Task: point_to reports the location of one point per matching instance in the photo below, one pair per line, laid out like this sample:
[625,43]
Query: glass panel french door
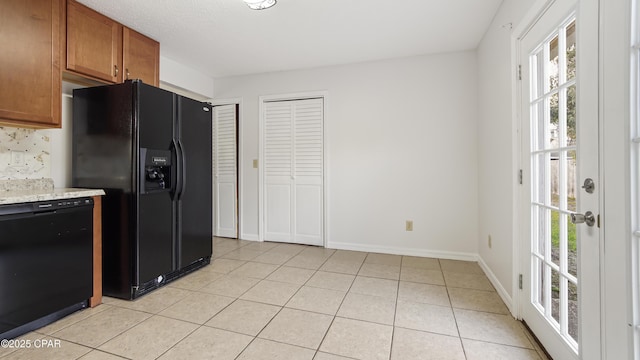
[553,182]
[560,147]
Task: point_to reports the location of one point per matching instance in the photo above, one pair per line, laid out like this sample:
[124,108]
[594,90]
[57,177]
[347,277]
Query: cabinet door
[30,86]
[94,43]
[141,57]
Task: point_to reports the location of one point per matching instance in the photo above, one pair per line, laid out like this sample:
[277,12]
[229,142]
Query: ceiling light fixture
[260,4]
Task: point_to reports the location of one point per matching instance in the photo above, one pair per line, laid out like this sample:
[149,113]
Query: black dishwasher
[46,262]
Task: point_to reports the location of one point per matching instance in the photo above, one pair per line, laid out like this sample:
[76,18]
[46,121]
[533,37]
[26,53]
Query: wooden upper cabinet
[30,85]
[94,43]
[103,49]
[140,57]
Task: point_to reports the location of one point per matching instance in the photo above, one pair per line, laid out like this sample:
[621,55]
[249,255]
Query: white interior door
[560,299]
[293,149]
[308,160]
[225,171]
[278,171]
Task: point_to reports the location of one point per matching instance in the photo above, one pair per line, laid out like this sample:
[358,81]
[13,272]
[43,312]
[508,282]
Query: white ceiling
[225,37]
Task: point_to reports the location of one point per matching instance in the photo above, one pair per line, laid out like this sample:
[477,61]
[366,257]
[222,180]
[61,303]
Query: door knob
[589,186]
[588,218]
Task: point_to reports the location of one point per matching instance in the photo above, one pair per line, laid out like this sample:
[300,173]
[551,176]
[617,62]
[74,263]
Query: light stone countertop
[21,196]
[32,190]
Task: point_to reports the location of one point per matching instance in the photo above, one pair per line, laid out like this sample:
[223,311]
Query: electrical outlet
[255,163]
[409,225]
[17,158]
[489,240]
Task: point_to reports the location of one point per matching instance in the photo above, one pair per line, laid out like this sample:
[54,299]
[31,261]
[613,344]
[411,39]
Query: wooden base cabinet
[96,299]
[30,83]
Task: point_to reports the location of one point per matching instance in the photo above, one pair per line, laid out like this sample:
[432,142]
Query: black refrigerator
[150,150]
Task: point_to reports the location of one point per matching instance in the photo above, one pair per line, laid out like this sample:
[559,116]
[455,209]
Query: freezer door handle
[180,171]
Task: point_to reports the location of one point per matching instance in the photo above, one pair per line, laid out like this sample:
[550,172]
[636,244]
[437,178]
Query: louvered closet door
[293,155]
[225,172]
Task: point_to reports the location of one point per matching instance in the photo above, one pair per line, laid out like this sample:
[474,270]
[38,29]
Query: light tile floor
[284,301]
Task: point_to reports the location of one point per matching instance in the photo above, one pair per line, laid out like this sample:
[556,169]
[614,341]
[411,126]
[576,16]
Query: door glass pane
[554,125]
[538,139]
[556,237]
[542,233]
[571,115]
[555,181]
[571,50]
[572,248]
[537,71]
[535,218]
[540,292]
[573,311]
[553,65]
[539,172]
[571,181]
[556,284]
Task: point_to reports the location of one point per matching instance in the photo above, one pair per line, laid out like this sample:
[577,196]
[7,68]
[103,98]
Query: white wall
[183,77]
[402,146]
[61,143]
[496,147]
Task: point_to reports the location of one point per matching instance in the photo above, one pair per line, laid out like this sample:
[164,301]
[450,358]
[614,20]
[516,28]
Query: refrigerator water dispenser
[155,170]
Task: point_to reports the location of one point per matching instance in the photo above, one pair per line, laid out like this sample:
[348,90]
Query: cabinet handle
[127,74]
[115,67]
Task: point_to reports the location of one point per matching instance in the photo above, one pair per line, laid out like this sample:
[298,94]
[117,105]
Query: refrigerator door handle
[181,171]
[178,181]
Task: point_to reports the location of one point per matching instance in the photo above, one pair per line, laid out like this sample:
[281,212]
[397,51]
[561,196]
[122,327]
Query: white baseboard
[450,255]
[249,237]
[504,294]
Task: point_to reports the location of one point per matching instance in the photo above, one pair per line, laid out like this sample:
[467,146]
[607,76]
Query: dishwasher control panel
[69,203]
[51,205]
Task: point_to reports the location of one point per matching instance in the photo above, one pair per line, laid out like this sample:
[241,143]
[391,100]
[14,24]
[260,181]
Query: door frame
[536,10]
[528,21]
[324,94]
[239,137]
[616,110]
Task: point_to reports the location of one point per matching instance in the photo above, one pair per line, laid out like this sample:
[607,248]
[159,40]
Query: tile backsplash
[24,153]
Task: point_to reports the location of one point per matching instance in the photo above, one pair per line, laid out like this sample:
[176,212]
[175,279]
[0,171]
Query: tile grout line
[274,316]
[236,299]
[342,302]
[111,338]
[395,309]
[179,341]
[73,323]
[267,324]
[333,318]
[455,318]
